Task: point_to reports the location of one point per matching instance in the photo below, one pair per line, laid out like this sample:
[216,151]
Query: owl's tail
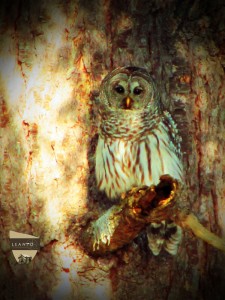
[164,235]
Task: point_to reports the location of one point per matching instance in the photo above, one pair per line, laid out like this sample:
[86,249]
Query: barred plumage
[122,164]
[137,145]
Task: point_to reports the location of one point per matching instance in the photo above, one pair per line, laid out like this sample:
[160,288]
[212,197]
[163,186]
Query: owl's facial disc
[129,91]
[119,92]
[128,94]
[127,101]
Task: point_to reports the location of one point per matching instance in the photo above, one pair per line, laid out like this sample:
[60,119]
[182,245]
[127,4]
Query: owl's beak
[128,102]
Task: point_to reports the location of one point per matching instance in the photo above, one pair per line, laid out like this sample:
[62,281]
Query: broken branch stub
[120,224]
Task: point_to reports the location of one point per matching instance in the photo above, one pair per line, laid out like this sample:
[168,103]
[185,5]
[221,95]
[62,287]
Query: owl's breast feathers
[135,149]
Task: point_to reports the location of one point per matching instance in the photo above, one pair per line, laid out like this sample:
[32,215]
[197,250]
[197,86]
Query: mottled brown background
[53,55]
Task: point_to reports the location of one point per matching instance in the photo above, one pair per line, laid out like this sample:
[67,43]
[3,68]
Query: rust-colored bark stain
[185,79]
[66,270]
[4,114]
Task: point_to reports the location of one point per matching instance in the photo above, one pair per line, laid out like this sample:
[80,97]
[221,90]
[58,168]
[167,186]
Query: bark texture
[53,55]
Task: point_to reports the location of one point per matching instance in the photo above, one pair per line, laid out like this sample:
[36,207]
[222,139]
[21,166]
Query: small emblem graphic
[24,246]
[24,259]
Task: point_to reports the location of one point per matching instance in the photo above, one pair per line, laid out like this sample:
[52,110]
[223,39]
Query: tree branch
[140,206]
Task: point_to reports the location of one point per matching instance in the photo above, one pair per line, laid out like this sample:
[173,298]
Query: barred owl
[138,142]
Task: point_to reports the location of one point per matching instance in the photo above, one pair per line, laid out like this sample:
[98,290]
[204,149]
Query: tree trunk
[53,56]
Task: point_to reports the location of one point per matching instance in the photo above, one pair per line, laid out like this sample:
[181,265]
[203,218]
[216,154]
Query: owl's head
[128,88]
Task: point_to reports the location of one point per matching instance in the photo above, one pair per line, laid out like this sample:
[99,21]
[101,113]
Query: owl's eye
[119,89]
[138,90]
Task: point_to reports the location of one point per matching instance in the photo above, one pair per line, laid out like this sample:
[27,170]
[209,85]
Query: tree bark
[53,56]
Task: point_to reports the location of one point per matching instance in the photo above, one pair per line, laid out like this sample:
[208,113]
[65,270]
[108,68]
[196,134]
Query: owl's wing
[172,131]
